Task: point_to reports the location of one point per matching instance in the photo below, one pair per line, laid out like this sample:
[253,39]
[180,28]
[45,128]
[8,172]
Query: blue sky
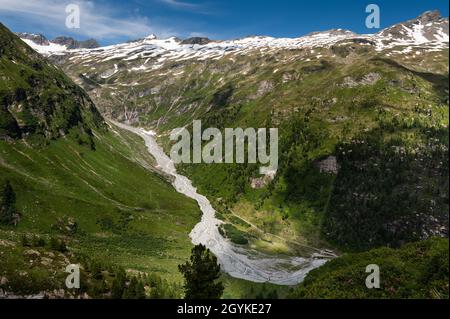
[113,21]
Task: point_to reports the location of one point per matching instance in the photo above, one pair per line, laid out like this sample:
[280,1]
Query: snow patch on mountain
[50,49]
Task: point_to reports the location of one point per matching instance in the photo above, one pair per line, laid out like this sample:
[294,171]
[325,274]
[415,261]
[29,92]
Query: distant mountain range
[428,29]
[67,42]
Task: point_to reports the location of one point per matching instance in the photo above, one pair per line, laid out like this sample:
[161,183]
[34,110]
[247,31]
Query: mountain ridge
[436,33]
[64,42]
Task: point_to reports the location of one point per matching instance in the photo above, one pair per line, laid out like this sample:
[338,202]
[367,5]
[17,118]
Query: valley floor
[237,261]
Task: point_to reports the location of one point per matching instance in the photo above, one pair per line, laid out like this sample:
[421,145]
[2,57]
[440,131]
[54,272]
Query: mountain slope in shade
[38,98]
[71,43]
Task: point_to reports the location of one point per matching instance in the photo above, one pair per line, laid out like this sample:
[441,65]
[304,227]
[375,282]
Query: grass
[238,288]
[125,212]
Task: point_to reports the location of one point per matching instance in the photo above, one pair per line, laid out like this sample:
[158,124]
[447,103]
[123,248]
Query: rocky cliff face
[71,43]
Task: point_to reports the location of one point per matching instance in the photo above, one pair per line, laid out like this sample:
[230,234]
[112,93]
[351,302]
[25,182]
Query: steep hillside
[37,98]
[363,123]
[415,271]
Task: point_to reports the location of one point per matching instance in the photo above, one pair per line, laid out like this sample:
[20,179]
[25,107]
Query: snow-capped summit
[428,27]
[151,37]
[44,47]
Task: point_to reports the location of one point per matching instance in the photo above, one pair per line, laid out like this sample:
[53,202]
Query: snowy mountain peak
[430,16]
[428,27]
[151,37]
[39,39]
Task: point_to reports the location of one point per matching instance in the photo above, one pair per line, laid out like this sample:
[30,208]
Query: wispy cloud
[200,35]
[181,4]
[188,6]
[97,21]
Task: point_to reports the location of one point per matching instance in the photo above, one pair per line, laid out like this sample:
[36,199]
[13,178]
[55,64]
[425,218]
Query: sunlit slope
[124,211]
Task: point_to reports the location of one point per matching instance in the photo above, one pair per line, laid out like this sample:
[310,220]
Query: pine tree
[272,294]
[128,293]
[118,284]
[140,290]
[7,204]
[201,274]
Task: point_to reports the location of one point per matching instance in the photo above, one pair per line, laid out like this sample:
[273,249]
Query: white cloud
[180,4]
[187,6]
[99,22]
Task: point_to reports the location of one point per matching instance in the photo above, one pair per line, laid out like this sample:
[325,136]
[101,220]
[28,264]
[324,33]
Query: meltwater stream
[238,262]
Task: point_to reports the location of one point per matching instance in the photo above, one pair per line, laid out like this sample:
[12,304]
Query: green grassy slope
[417,270]
[34,267]
[37,98]
[124,212]
[396,127]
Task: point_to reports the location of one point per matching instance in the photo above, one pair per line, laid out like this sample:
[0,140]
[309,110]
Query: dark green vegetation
[8,211]
[234,234]
[38,99]
[416,270]
[35,267]
[201,275]
[389,192]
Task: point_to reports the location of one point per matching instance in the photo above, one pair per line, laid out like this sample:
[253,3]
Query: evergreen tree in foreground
[8,212]
[119,283]
[201,274]
[135,290]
